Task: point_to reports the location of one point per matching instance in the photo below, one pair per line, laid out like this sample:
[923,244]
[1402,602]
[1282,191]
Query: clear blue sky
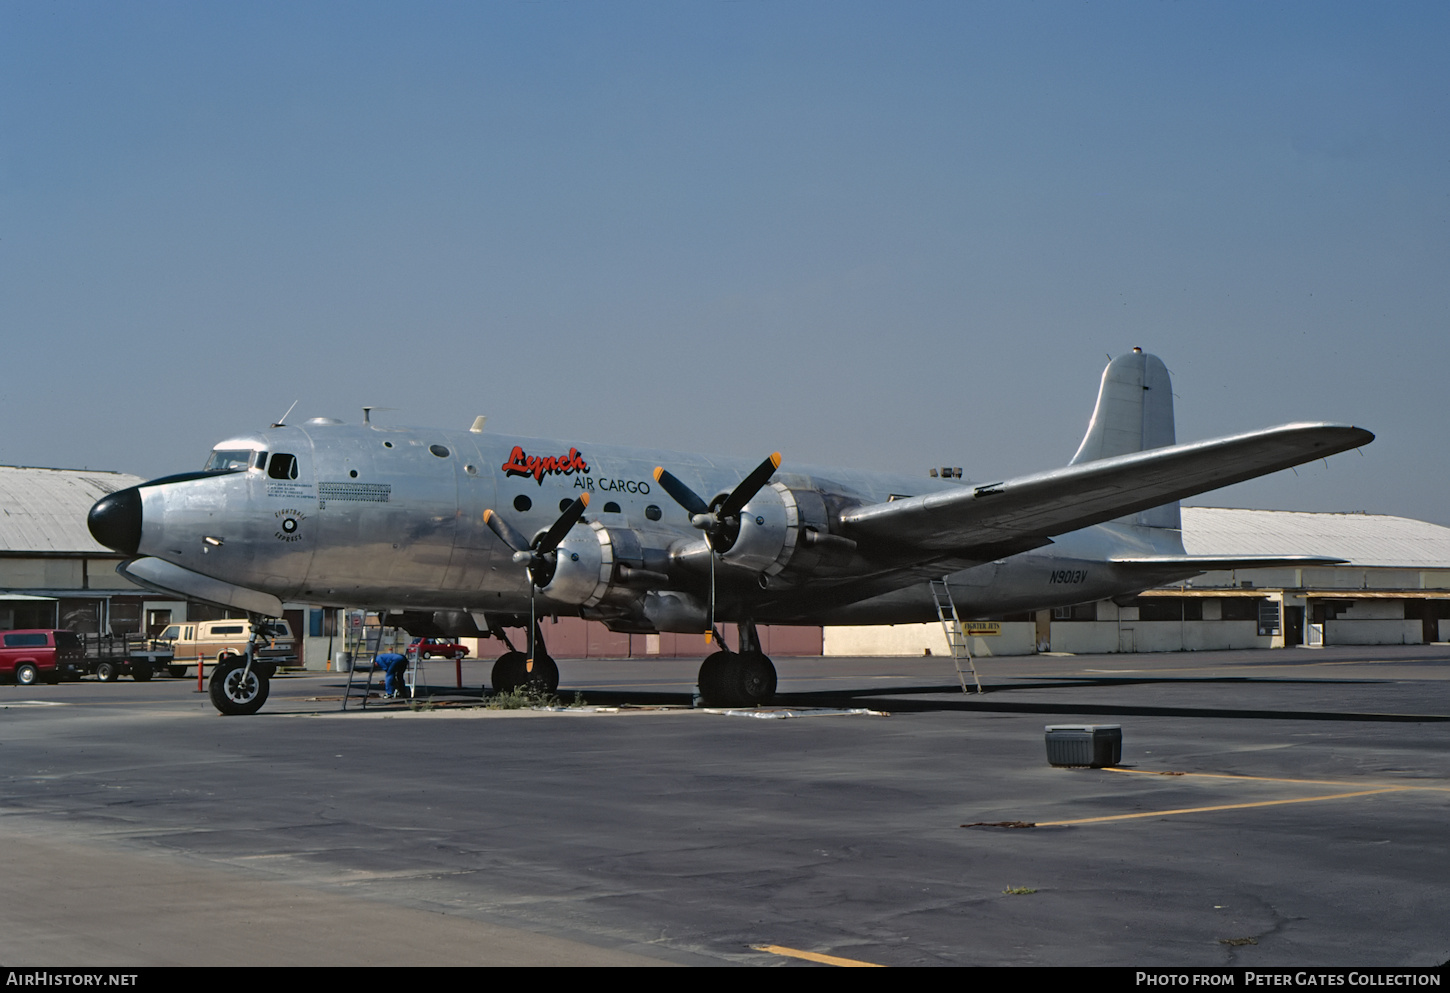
[884,235]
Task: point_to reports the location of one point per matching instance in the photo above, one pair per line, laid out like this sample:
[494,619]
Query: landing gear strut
[514,669]
[738,679]
[240,685]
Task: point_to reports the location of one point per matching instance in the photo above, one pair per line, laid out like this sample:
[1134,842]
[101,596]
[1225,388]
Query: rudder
[1134,413]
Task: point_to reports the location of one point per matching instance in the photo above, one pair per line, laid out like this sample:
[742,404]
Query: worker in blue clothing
[394,665]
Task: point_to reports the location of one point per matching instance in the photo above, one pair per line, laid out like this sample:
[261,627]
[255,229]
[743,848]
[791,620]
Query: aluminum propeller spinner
[539,557]
[720,520]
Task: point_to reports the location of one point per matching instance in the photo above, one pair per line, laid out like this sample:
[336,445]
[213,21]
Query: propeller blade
[682,494]
[507,533]
[567,520]
[749,486]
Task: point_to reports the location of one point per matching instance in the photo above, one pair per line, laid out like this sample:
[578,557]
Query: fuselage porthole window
[652,512]
[283,466]
[439,450]
[522,503]
[611,507]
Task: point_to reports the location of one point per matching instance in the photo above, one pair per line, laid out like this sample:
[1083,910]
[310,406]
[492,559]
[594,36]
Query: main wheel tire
[508,672]
[730,680]
[234,695]
[756,679]
[106,671]
[713,679]
[141,672]
[26,674]
[545,675]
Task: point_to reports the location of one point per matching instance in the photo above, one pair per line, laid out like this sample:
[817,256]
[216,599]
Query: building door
[1293,626]
[297,621]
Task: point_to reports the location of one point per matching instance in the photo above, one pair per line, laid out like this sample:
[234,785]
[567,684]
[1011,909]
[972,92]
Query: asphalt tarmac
[1272,808]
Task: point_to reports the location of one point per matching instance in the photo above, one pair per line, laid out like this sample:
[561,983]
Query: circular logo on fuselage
[289,527]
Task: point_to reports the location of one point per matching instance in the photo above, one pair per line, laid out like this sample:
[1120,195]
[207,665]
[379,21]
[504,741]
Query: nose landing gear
[239,686]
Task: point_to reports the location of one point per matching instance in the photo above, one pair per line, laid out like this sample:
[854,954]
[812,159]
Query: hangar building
[53,574]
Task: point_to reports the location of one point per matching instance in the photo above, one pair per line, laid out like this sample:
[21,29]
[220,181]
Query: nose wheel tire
[234,693]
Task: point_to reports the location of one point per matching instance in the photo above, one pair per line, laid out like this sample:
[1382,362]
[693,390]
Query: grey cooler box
[1089,746]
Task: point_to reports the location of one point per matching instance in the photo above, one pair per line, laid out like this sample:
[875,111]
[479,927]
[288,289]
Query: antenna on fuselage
[368,413]
[281,421]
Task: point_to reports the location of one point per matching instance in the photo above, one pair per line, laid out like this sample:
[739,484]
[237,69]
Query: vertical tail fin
[1134,413]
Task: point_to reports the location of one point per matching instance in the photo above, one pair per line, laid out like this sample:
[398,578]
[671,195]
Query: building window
[1241,608]
[1168,608]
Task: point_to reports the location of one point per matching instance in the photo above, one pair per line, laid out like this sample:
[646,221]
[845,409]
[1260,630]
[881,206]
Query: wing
[1213,563]
[1063,500]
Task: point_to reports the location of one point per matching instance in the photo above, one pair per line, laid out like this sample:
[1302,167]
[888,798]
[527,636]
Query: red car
[429,648]
[33,655]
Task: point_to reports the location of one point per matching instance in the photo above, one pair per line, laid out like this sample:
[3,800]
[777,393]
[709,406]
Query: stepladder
[951,624]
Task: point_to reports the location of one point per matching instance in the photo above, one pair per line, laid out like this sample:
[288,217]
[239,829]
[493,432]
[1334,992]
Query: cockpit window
[228,461]
[283,466]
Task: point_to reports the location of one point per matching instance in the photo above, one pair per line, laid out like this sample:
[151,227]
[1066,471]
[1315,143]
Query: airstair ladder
[951,625]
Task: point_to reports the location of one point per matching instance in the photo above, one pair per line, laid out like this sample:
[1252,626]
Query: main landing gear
[738,679]
[514,670]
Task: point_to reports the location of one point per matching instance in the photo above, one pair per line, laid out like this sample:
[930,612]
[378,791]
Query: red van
[30,656]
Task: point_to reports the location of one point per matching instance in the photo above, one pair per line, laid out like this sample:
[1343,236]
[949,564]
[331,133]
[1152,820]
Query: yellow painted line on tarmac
[1226,806]
[1273,779]
[796,953]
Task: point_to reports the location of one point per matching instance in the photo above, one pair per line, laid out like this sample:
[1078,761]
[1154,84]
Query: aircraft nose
[115,520]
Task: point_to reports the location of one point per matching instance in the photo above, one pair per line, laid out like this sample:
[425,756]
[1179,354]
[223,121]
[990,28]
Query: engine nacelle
[776,528]
[594,561]
[584,567]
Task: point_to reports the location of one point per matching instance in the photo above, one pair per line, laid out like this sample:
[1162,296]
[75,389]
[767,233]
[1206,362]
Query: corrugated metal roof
[44,510]
[1366,540]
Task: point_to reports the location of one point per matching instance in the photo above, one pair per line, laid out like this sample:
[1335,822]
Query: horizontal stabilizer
[1212,563]
[173,580]
[1063,500]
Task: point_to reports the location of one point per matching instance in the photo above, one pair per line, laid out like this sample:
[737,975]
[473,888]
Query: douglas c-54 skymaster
[467,533]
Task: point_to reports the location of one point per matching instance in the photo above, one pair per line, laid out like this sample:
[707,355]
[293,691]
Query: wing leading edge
[1062,500]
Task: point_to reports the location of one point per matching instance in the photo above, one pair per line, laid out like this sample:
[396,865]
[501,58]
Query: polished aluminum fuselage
[393,518]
